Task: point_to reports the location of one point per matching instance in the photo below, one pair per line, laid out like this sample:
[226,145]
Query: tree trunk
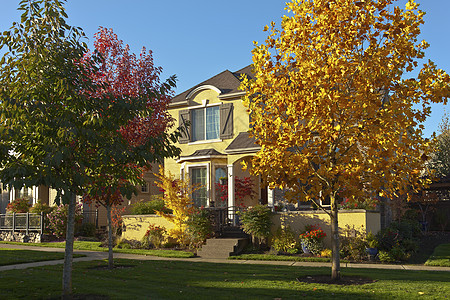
[110,237]
[68,256]
[336,263]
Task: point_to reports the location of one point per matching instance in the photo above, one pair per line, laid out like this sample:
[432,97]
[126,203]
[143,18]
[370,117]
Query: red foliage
[243,187]
[123,74]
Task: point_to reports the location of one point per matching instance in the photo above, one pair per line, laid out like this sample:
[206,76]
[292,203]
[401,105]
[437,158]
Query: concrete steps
[222,247]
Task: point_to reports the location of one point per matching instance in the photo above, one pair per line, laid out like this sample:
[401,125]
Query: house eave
[243,151]
[231,95]
[203,157]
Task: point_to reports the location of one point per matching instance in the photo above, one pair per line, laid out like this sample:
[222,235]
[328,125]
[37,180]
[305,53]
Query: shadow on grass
[190,280]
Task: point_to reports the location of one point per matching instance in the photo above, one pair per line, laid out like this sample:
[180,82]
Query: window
[205,123]
[198,179]
[221,180]
[144,188]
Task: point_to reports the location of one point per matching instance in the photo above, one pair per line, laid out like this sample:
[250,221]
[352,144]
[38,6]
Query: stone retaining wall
[22,237]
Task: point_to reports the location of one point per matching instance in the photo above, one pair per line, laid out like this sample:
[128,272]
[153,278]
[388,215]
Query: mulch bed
[345,280]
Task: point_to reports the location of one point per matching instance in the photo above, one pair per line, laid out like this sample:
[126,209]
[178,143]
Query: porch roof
[202,154]
[243,143]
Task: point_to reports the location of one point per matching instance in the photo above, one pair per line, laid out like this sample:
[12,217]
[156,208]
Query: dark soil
[428,243]
[84,297]
[345,280]
[116,266]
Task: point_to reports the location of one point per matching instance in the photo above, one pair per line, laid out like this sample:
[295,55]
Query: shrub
[58,219]
[256,222]
[326,253]
[19,205]
[199,227]
[385,256]
[400,239]
[312,238]
[154,237]
[87,230]
[40,207]
[284,240]
[125,244]
[177,197]
[353,244]
[149,207]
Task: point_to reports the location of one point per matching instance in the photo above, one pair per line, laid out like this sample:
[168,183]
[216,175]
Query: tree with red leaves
[122,75]
[243,187]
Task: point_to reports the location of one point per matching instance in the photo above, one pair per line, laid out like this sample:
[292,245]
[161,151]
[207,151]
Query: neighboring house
[47,196]
[216,139]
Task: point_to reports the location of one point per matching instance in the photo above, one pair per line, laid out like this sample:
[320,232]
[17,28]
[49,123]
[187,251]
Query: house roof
[243,143]
[227,82]
[202,154]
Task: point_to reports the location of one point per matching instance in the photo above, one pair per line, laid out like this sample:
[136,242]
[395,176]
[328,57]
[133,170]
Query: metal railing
[90,216]
[222,217]
[22,222]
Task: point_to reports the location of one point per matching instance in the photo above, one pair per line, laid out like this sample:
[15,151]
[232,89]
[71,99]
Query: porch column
[12,194]
[35,194]
[270,197]
[231,202]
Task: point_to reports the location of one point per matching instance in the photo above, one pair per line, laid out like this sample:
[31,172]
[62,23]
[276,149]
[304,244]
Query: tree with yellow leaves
[177,197]
[331,107]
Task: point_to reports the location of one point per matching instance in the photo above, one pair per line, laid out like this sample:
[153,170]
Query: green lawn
[95,246]
[189,280]
[17,256]
[440,256]
[279,257]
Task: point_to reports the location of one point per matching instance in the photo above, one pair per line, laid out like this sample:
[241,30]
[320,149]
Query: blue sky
[198,39]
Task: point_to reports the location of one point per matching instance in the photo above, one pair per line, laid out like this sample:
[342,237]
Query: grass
[96,246]
[279,257]
[440,256]
[190,280]
[17,256]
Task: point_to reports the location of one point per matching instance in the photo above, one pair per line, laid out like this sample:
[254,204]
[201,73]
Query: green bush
[87,230]
[284,241]
[40,207]
[256,221]
[199,227]
[400,239]
[353,244]
[154,237]
[385,256]
[149,207]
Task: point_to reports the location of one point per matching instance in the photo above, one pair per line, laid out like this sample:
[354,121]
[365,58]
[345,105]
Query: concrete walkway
[94,255]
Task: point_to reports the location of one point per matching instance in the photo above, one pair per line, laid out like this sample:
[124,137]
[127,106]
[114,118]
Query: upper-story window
[205,123]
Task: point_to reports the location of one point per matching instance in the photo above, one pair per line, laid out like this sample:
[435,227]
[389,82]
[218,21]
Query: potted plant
[312,239]
[372,245]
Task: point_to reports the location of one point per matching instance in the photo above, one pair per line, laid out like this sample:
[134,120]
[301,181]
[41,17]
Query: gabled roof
[227,82]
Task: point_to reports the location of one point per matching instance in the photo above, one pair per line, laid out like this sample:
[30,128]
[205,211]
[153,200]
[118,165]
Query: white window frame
[214,191]
[208,176]
[204,105]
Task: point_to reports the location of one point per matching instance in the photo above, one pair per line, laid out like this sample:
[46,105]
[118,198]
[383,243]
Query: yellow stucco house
[214,144]
[216,139]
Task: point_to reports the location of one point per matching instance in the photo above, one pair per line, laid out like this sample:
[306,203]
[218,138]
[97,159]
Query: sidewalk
[94,255]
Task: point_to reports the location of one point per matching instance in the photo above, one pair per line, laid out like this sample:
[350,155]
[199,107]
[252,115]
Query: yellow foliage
[330,105]
[177,197]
